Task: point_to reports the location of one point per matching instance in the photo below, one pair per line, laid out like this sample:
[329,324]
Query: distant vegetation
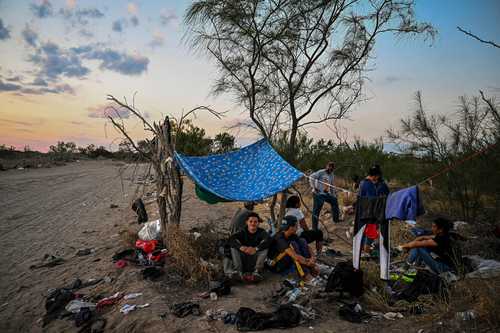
[191,141]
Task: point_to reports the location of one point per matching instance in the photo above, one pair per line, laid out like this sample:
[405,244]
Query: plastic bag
[150,231]
[75,305]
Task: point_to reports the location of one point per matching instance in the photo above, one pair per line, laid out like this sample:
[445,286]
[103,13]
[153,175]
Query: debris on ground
[48,261]
[184,309]
[84,252]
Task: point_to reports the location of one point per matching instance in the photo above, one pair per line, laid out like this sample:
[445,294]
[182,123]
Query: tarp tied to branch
[252,173]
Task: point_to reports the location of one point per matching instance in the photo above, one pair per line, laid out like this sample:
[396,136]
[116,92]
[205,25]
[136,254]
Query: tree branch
[470,34]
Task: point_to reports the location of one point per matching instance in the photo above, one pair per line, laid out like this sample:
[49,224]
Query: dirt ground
[58,211]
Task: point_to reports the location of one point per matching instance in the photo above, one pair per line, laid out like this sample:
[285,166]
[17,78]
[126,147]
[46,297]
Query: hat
[288,221]
[375,171]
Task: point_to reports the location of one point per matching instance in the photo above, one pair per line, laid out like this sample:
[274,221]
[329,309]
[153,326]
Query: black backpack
[139,208]
[424,283]
[345,278]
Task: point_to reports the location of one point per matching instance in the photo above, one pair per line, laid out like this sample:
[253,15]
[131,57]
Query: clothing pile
[65,302]
[146,253]
[286,316]
[184,309]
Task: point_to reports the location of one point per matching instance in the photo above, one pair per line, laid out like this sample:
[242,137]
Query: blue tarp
[251,173]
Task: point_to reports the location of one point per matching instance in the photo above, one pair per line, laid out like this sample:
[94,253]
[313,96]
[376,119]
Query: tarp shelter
[251,173]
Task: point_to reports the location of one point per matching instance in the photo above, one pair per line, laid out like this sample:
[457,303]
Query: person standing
[323,191]
[372,186]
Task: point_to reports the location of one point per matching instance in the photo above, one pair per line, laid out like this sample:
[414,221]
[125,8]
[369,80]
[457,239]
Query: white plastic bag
[484,268]
[75,305]
[150,231]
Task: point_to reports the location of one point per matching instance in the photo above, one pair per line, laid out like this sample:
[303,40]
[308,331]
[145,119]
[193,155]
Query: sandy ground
[60,210]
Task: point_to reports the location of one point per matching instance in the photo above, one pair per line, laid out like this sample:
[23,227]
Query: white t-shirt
[298,214]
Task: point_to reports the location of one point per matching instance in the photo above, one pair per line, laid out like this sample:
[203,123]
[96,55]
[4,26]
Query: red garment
[146,246]
[120,263]
[371,231]
[109,300]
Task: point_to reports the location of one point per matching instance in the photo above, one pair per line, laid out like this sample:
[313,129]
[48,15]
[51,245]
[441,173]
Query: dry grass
[479,295]
[129,237]
[400,233]
[187,259]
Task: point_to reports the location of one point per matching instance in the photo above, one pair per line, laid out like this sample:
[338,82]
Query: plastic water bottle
[294,295]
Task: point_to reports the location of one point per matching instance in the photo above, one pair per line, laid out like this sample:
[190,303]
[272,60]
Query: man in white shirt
[293,209]
[323,191]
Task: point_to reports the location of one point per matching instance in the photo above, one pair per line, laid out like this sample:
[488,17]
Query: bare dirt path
[60,210]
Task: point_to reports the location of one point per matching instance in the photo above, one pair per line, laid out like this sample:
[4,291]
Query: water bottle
[294,295]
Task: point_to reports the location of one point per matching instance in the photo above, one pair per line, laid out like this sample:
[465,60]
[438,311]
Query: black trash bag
[348,312]
[345,278]
[139,208]
[425,282]
[184,309]
[286,316]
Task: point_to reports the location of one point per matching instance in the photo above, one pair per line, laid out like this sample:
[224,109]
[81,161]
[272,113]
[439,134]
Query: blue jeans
[318,200]
[421,255]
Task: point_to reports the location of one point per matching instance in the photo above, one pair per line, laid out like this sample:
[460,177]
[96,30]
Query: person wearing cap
[372,186]
[303,231]
[323,191]
[239,220]
[249,248]
[288,248]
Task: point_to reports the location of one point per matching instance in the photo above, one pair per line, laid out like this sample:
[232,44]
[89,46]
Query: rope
[329,185]
[440,172]
[454,165]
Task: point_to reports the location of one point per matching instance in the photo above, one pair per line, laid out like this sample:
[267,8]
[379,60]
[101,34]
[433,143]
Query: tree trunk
[281,213]
[272,208]
[169,182]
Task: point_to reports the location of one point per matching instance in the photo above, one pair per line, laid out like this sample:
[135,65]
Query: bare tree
[294,63]
[470,34]
[160,152]
[455,148]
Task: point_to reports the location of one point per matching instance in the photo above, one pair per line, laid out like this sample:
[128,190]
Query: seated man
[288,250]
[440,244]
[303,231]
[249,249]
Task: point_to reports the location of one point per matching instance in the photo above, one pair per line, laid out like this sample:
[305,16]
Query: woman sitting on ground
[440,244]
[303,231]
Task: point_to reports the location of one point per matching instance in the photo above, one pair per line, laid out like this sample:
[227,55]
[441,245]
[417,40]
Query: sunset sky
[59,59]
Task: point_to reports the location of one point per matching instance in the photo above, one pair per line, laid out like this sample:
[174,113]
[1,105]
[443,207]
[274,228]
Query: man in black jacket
[249,249]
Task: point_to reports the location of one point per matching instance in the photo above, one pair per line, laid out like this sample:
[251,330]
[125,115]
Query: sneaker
[234,276]
[248,278]
[257,277]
